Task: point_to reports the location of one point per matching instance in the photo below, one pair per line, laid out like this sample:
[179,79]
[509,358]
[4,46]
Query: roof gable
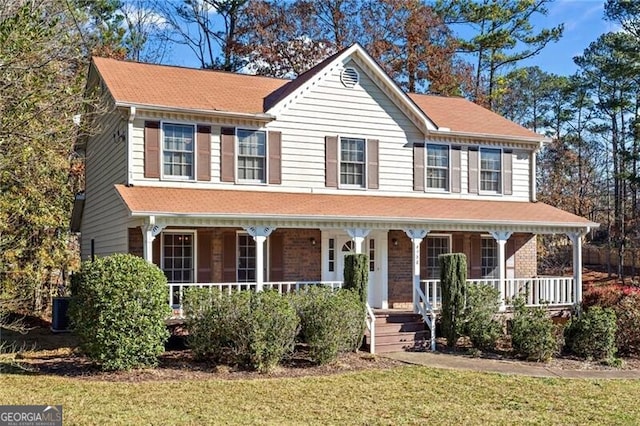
[357,53]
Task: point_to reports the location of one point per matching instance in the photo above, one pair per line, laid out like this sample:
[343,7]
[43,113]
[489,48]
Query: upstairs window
[352,162]
[178,148]
[252,151]
[437,167]
[490,170]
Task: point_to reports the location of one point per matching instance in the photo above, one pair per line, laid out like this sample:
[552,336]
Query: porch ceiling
[284,209]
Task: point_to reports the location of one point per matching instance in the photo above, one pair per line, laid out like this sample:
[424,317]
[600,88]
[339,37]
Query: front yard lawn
[401,395]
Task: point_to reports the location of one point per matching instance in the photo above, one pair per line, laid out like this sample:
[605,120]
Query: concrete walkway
[461,362]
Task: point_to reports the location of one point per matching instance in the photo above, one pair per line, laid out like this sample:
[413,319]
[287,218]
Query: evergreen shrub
[453,278]
[592,334]
[532,332]
[118,309]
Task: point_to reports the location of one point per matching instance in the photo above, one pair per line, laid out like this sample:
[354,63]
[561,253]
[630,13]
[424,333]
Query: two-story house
[243,181]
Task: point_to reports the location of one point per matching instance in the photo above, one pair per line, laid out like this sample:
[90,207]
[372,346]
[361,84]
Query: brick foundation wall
[526,256]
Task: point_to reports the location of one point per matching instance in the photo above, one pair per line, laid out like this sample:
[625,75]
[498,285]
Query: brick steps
[399,331]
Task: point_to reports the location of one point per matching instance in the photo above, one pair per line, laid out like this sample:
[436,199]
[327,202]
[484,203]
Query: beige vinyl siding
[363,111]
[104,217]
[521,160]
[328,108]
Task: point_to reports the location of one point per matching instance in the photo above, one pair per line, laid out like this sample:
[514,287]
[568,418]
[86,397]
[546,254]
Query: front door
[345,246]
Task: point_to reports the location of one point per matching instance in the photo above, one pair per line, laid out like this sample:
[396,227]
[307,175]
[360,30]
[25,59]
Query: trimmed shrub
[272,330]
[356,275]
[478,318]
[453,278]
[628,323]
[532,332]
[119,310]
[592,334]
[244,328]
[214,320]
[330,321]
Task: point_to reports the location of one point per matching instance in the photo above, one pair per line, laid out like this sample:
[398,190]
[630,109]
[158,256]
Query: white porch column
[150,231]
[501,238]
[259,234]
[416,235]
[358,235]
[576,240]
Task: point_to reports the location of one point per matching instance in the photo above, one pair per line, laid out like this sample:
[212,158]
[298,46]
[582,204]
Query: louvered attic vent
[349,77]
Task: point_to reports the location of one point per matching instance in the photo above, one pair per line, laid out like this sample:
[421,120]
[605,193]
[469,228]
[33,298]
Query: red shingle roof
[196,89]
[282,205]
[185,88]
[461,115]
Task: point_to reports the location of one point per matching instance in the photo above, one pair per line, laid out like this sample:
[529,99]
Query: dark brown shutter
[510,251]
[229,274]
[331,161]
[155,250]
[457,241]
[135,241]
[227,154]
[152,149]
[473,170]
[423,259]
[507,169]
[372,164]
[475,257]
[276,257]
[418,167]
[204,153]
[204,256]
[275,162]
[455,169]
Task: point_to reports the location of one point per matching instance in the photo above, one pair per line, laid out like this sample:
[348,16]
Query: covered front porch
[403,264]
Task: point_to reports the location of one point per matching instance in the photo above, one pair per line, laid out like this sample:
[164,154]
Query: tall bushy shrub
[453,278]
[532,332]
[252,330]
[119,310]
[330,321]
[356,274]
[592,334]
[479,321]
[628,325]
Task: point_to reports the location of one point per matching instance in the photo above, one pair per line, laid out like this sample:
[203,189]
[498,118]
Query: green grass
[406,395]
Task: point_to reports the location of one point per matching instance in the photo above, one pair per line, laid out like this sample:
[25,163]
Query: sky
[583,24]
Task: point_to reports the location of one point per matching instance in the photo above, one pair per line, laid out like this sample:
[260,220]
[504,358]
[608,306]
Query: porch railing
[425,308]
[539,291]
[176,290]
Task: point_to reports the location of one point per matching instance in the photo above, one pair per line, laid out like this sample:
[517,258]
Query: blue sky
[583,23]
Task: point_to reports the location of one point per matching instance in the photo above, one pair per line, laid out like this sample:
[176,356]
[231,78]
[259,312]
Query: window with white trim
[178,257]
[352,162]
[489,258]
[246,258]
[372,255]
[177,150]
[436,245]
[437,167]
[332,254]
[252,153]
[490,170]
